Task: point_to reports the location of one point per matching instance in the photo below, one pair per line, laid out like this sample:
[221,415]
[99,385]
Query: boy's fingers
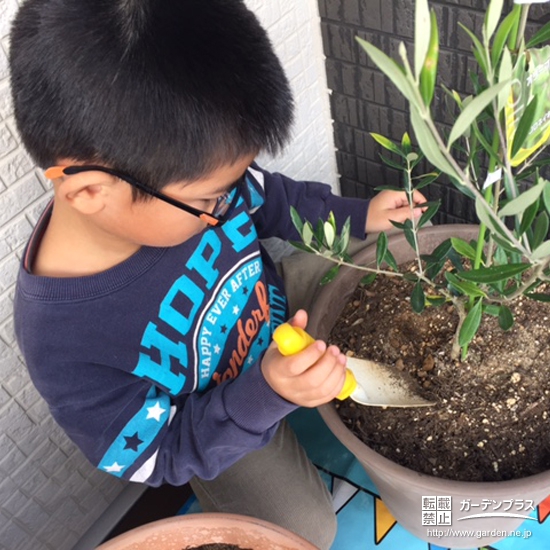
[404,213]
[309,378]
[326,381]
[418,197]
[401,200]
[329,366]
[299,320]
[336,382]
[301,362]
[316,363]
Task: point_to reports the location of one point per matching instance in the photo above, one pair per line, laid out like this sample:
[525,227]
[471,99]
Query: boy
[145,304]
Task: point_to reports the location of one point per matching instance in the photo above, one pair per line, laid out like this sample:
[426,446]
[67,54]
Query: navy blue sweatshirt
[153,367]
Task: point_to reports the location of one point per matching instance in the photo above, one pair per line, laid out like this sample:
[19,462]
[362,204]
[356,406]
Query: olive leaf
[465,287]
[368,279]
[391,164]
[546,197]
[345,236]
[492,17]
[428,73]
[387,144]
[381,248]
[307,234]
[494,274]
[463,248]
[426,179]
[429,145]
[421,34]
[418,299]
[392,70]
[479,50]
[538,296]
[542,251]
[296,219]
[543,35]
[330,234]
[390,260]
[483,212]
[502,35]
[330,275]
[505,318]
[540,231]
[471,324]
[473,110]
[526,199]
[505,73]
[527,219]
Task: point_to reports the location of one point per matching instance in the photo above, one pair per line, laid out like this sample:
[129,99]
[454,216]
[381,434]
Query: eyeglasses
[221,212]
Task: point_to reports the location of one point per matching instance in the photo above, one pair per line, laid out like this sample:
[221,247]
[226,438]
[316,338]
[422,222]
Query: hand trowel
[367,382]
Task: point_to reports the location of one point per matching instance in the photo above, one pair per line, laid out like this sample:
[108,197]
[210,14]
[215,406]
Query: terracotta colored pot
[181,532]
[402,489]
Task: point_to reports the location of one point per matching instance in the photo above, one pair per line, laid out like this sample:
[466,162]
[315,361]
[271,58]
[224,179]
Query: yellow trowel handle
[291,340]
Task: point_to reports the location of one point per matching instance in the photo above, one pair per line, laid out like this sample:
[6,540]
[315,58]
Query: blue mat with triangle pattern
[364,523]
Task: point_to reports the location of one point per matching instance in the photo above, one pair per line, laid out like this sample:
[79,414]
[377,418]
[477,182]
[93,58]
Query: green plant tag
[528,107]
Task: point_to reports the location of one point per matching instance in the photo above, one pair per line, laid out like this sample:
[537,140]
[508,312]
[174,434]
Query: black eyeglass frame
[209,218]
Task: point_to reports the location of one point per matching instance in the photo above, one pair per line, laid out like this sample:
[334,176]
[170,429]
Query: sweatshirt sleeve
[312,200]
[137,432]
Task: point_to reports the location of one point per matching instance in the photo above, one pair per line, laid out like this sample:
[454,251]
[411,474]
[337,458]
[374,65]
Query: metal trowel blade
[379,385]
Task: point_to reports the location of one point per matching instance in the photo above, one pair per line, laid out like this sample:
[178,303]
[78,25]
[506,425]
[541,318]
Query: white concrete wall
[294,29]
[49,494]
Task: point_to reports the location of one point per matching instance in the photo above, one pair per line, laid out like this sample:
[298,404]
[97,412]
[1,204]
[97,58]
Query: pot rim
[206,521]
[401,473]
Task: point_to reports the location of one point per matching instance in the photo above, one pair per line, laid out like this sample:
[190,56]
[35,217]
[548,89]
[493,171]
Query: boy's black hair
[164,90]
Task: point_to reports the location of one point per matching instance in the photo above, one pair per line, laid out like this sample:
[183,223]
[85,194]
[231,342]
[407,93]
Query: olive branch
[492,154]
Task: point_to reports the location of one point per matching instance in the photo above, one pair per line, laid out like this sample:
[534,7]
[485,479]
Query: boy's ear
[86,192]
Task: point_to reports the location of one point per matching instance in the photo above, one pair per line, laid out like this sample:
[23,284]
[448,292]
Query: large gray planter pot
[402,489]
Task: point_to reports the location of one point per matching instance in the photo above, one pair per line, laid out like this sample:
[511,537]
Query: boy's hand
[391,205]
[309,378]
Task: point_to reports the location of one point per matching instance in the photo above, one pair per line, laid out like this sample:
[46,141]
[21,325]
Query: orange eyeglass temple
[54,172]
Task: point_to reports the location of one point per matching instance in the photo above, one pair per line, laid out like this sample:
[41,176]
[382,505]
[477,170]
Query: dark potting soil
[490,421]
